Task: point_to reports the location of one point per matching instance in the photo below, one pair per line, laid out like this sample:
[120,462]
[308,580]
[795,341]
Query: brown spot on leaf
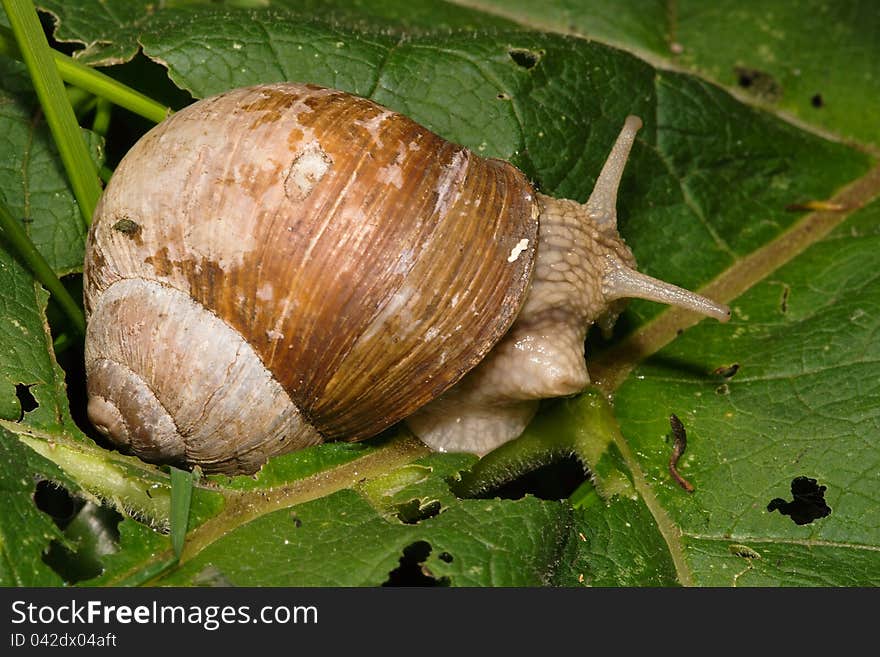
[743,551]
[758,83]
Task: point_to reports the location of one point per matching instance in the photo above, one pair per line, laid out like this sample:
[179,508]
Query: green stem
[81,101]
[95,82]
[62,343]
[583,426]
[101,123]
[22,245]
[37,56]
[106,173]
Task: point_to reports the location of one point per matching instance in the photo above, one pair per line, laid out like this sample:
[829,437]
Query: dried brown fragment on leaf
[679,445]
[816,206]
[727,371]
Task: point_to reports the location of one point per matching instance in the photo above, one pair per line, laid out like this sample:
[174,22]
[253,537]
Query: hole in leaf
[25,398]
[412,570]
[554,481]
[817,101]
[808,503]
[56,502]
[90,532]
[445,556]
[744,77]
[413,512]
[90,535]
[525,58]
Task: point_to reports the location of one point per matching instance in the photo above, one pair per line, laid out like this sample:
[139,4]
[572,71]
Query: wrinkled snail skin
[285,264]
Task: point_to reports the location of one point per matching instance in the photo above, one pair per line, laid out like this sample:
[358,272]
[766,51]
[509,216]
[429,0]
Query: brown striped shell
[284,264]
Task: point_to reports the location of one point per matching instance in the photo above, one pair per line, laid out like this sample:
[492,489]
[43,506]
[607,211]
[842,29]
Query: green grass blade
[95,82]
[181,496]
[38,58]
[24,248]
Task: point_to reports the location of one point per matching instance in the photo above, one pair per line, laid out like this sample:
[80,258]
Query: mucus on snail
[285,264]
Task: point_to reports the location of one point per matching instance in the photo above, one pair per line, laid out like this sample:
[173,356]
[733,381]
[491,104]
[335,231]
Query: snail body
[285,264]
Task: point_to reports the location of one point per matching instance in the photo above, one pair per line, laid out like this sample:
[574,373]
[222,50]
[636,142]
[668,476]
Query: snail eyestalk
[602,204]
[621,282]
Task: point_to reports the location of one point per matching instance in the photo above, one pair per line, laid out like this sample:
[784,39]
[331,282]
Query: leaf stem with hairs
[582,426]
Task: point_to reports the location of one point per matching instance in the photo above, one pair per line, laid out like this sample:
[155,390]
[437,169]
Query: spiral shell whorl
[360,261]
[155,362]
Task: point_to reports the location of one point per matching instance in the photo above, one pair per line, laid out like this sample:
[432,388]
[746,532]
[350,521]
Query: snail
[285,264]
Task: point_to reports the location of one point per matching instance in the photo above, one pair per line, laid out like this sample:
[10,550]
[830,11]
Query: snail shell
[285,264]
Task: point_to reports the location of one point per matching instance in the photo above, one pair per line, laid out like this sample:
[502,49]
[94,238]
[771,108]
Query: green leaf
[804,402]
[109,28]
[54,103]
[342,541]
[814,59]
[296,465]
[137,544]
[617,545]
[25,531]
[28,368]
[17,239]
[710,199]
[32,179]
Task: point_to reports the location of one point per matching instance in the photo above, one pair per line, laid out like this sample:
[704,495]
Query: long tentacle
[602,204]
[622,282]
